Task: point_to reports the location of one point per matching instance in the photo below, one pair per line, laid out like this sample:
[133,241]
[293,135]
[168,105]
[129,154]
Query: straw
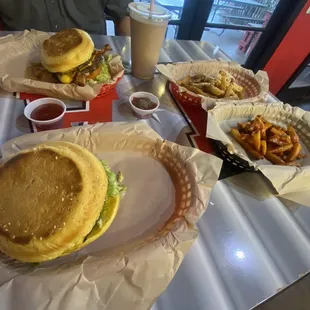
[152,6]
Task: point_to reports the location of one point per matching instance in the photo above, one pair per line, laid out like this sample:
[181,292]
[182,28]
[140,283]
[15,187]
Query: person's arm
[118,10]
[122,27]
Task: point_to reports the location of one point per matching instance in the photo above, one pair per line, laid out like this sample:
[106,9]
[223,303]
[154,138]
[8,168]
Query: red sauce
[144,103]
[46,112]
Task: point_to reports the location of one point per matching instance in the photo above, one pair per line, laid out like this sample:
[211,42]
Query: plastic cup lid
[142,9]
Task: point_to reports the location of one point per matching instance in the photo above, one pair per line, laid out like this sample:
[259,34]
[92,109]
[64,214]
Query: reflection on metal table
[250,244]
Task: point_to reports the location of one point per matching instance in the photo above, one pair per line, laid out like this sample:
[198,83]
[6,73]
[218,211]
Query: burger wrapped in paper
[70,54]
[55,199]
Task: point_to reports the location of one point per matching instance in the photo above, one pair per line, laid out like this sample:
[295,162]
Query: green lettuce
[104,76]
[115,188]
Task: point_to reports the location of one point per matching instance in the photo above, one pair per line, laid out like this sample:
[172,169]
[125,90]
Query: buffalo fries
[221,85]
[261,139]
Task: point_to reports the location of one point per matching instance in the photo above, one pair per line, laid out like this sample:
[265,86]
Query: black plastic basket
[234,160]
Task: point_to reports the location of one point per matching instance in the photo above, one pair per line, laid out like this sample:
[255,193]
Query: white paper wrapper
[256,86]
[134,261]
[290,182]
[19,51]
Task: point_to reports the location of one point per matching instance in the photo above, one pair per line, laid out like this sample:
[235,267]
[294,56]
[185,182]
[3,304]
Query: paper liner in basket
[110,273]
[256,86]
[19,51]
[290,182]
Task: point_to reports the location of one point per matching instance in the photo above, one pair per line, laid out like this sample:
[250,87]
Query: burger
[55,199]
[70,54]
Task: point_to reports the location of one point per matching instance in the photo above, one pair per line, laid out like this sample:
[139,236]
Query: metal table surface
[250,244]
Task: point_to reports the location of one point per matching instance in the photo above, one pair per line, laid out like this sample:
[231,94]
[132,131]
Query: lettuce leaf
[115,187]
[114,181]
[104,76]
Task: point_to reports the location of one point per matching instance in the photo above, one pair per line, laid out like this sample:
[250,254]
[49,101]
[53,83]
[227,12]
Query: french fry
[198,85]
[280,149]
[263,147]
[282,135]
[259,116]
[278,127]
[301,156]
[237,88]
[274,158]
[223,72]
[277,132]
[276,140]
[199,78]
[227,75]
[256,136]
[219,85]
[286,139]
[294,152]
[194,89]
[235,132]
[248,139]
[234,96]
[239,91]
[252,151]
[267,125]
[262,128]
[255,125]
[245,137]
[243,126]
[293,135]
[224,83]
[270,141]
[229,91]
[241,95]
[213,90]
[186,80]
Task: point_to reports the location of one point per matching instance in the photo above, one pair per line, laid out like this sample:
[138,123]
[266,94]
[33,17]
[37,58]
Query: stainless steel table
[251,243]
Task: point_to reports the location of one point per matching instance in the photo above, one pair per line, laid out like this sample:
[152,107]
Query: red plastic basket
[184,97]
[107,88]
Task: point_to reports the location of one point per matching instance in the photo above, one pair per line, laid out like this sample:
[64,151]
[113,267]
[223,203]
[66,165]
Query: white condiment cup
[48,124]
[140,112]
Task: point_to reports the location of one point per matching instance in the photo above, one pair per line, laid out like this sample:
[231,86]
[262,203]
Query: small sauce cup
[140,113]
[53,123]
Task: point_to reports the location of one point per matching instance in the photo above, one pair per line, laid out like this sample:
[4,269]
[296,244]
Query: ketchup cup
[53,123]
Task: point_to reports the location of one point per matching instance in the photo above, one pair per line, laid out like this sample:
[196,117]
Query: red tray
[184,97]
[107,88]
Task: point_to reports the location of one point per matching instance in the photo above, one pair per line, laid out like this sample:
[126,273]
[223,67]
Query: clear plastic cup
[147,35]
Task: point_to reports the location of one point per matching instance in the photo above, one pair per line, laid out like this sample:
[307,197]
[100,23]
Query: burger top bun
[51,198]
[66,50]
